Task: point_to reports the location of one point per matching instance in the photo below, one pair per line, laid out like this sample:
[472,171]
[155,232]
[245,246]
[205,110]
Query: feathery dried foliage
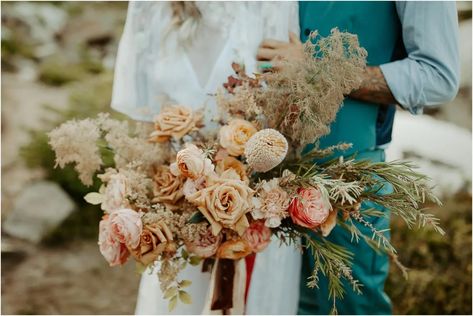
[89,136]
[302,100]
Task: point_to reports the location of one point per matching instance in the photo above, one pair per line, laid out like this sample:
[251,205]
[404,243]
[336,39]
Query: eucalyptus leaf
[195,260]
[185,283]
[185,297]
[94,198]
[172,303]
[172,291]
[196,218]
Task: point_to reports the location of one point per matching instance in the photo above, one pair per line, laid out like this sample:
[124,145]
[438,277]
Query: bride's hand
[273,51]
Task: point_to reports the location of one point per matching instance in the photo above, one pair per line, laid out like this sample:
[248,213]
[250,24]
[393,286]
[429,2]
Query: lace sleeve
[132,86]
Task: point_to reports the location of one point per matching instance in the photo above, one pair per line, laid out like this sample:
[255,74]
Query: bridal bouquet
[177,193]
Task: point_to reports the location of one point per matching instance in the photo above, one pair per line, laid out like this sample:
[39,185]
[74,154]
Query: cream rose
[167,187]
[258,236]
[224,203]
[115,252]
[174,121]
[271,203]
[126,227]
[114,197]
[192,163]
[234,136]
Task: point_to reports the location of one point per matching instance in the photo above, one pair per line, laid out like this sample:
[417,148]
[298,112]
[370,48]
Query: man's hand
[374,88]
[274,51]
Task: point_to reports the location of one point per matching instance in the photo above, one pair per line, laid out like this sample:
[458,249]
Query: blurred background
[57,63]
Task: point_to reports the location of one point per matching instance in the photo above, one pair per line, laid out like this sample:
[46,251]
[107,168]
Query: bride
[182,52]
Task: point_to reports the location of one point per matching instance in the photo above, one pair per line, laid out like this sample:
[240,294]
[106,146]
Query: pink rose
[258,236]
[111,249]
[309,208]
[126,227]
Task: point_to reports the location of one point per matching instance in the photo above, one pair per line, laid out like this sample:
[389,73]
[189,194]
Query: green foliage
[439,266]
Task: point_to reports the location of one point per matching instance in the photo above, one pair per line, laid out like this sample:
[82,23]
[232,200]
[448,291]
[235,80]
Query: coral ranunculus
[258,236]
[310,208]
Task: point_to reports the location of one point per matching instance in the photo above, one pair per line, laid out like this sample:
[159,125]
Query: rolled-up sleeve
[429,75]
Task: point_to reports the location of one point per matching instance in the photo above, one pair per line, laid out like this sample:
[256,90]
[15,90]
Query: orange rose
[234,136]
[174,121]
[154,240]
[167,187]
[224,203]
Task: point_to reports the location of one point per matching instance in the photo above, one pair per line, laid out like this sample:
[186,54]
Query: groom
[413,61]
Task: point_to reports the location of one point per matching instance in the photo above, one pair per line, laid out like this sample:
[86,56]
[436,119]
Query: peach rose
[115,252]
[204,245]
[271,203]
[234,249]
[224,203]
[115,193]
[258,236]
[234,136]
[309,208]
[167,187]
[154,240]
[233,164]
[174,121]
[126,227]
[192,163]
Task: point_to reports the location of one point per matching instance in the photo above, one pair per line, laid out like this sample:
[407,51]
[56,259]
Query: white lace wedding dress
[155,65]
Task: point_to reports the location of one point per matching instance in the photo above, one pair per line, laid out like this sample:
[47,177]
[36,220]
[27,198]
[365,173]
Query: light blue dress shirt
[430,74]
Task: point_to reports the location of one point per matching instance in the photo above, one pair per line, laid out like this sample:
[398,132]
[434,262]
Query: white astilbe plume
[76,142]
[129,148]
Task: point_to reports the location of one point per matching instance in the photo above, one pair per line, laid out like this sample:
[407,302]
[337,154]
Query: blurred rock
[441,149]
[465,53]
[38,209]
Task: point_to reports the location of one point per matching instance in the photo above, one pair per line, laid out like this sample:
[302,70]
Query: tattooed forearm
[374,88]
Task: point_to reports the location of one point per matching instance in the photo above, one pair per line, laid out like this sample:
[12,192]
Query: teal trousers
[369,267]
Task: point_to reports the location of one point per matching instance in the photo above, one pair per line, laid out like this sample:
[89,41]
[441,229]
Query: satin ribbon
[226,295]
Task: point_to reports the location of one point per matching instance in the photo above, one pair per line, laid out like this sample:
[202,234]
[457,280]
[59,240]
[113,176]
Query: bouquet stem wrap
[227,288]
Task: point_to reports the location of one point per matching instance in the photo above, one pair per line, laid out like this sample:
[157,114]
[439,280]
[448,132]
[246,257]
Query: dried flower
[234,136]
[271,203]
[310,208]
[329,224]
[174,121]
[76,141]
[265,150]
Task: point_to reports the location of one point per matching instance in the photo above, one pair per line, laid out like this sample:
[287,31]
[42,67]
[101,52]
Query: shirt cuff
[391,72]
